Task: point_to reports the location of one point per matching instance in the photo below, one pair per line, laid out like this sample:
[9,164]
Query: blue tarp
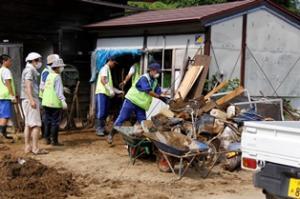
[100,57]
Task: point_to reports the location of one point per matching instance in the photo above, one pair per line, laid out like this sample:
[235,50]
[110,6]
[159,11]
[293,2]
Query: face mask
[39,65]
[61,69]
[156,76]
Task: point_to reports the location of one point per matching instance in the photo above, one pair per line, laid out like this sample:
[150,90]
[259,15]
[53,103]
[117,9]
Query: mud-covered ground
[87,167]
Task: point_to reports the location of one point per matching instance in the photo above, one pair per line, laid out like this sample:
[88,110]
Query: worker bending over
[31,104]
[7,93]
[139,97]
[104,92]
[53,102]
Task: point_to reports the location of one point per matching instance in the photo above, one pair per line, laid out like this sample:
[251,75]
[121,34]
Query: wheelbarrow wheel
[204,164]
[163,165]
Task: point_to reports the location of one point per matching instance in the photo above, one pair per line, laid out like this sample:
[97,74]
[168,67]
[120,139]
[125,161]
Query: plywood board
[200,60]
[188,81]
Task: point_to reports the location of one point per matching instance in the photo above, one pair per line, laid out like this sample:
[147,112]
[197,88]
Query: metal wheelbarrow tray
[183,155]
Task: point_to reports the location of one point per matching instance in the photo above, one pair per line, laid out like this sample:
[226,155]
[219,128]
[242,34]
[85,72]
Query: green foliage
[171,4]
[213,81]
[158,5]
[187,3]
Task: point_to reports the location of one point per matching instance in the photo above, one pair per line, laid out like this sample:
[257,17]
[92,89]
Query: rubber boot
[4,133]
[47,134]
[99,124]
[54,135]
[110,136]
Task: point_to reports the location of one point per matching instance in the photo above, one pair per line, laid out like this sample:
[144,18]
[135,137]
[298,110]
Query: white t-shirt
[131,70]
[6,74]
[104,71]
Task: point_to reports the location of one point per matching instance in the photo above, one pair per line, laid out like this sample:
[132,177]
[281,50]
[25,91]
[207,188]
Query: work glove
[117,91]
[64,105]
[13,99]
[110,90]
[67,90]
[164,99]
[122,84]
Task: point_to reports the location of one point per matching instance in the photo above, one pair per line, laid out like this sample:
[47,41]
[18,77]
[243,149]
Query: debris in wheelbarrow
[137,145]
[175,146]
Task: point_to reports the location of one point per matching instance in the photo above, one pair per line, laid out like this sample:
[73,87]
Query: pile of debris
[211,118]
[27,178]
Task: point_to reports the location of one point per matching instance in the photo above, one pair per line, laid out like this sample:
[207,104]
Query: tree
[171,4]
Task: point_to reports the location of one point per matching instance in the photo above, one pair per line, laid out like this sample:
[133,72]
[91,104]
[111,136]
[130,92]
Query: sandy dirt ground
[105,172]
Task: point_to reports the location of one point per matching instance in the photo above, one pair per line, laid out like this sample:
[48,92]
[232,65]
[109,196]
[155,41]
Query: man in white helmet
[30,103]
[50,60]
[53,102]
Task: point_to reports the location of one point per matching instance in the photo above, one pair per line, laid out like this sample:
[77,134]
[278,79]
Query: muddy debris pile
[28,178]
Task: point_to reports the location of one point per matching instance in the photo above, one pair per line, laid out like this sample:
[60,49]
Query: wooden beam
[243,50]
[207,41]
[216,89]
[236,92]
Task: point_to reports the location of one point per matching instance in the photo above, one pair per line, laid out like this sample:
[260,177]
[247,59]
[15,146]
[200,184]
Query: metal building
[256,41]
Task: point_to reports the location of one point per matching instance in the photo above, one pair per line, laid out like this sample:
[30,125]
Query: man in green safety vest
[7,93]
[103,94]
[53,102]
[139,97]
[133,74]
[50,59]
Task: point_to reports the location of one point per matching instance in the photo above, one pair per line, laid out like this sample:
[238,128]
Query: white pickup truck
[272,150]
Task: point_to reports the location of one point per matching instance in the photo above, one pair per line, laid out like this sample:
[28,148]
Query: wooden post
[207,41]
[243,50]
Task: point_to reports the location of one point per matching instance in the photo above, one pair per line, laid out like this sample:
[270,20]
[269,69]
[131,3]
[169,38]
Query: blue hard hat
[154,66]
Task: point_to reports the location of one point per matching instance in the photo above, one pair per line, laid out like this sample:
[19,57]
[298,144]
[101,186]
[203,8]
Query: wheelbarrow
[187,156]
[137,145]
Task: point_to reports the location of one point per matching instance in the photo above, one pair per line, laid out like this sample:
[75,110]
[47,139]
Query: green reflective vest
[139,98]
[50,98]
[137,73]
[4,92]
[44,71]
[100,88]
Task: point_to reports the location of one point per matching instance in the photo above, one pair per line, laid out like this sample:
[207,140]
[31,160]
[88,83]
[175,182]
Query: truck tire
[271,196]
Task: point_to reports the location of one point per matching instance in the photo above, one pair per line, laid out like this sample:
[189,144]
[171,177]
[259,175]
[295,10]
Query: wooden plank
[200,60]
[216,89]
[188,81]
[236,92]
[206,108]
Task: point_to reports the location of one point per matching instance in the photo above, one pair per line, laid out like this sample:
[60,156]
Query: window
[164,58]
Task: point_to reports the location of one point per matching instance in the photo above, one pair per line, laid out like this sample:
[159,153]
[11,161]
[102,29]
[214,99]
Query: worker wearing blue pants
[126,110]
[139,97]
[102,107]
[104,92]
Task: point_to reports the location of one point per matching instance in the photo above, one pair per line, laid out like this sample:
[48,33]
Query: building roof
[198,13]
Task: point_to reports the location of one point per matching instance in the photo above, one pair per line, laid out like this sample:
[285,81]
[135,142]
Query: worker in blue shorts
[139,97]
[7,93]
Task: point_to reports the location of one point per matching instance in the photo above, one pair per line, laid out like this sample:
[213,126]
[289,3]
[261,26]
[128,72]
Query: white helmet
[52,58]
[32,56]
[58,63]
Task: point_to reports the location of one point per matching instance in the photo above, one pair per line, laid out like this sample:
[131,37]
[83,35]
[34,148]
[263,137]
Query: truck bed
[272,141]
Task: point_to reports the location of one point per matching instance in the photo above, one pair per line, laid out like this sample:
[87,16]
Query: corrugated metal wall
[272,54]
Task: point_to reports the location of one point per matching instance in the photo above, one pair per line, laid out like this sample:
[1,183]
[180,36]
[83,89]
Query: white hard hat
[32,56]
[52,58]
[58,63]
